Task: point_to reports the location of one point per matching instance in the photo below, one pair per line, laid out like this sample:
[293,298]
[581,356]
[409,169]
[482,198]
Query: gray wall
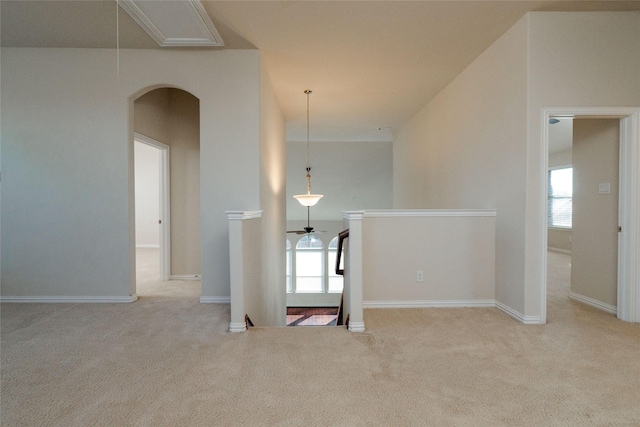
[594,258]
[67,164]
[559,240]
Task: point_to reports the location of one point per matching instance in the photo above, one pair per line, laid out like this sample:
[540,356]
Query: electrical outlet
[420,276]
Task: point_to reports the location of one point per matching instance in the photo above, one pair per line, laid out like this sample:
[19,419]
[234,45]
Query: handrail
[248,321]
[341,236]
[340,321]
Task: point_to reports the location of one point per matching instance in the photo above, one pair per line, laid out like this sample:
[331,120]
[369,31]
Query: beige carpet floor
[148,282]
[169,361]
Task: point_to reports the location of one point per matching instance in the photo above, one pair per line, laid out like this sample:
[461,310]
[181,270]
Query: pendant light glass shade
[308,199]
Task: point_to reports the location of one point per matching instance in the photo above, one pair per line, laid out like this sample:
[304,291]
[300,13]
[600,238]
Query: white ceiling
[561,136]
[370,64]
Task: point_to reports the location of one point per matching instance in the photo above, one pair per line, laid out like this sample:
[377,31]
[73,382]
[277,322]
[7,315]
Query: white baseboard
[68,299]
[527,320]
[558,250]
[428,304]
[147,246]
[356,327]
[594,303]
[215,300]
[185,277]
[237,327]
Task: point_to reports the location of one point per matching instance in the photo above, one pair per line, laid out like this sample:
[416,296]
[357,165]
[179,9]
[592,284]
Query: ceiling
[560,135]
[370,64]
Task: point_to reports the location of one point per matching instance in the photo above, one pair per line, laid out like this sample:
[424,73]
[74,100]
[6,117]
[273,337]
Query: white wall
[67,165]
[467,148]
[456,254]
[477,144]
[272,202]
[575,60]
[351,175]
[147,167]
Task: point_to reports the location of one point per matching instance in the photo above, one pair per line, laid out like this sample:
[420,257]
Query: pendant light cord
[118,38]
[308,199]
[308,92]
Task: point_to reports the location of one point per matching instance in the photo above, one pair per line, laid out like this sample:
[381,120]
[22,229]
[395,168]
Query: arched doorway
[171,118]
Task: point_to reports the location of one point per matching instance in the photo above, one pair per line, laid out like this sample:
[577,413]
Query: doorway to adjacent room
[627,229]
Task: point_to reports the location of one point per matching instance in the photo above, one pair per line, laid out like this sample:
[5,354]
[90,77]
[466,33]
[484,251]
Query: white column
[353,271]
[236,268]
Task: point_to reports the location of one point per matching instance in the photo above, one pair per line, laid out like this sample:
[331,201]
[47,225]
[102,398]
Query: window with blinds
[559,210]
[309,265]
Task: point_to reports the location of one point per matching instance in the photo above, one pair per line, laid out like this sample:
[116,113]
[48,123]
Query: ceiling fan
[308,229]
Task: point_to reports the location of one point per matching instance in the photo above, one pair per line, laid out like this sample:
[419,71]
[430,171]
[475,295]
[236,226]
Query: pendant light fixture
[308,199]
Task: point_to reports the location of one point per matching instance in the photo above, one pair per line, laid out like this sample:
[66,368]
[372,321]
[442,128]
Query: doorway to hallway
[628,285]
[152,213]
[167,195]
[582,215]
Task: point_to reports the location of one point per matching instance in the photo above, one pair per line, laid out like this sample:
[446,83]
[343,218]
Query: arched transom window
[311,267]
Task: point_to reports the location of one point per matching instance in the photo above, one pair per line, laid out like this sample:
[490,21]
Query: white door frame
[629,204]
[165,203]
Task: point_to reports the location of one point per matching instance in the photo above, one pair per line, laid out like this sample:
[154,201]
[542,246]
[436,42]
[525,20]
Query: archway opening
[167,120]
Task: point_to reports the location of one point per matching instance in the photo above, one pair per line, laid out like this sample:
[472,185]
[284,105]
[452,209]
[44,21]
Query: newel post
[236,267]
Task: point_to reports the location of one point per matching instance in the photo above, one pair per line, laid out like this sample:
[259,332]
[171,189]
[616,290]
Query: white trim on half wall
[185,277]
[429,304]
[68,299]
[215,300]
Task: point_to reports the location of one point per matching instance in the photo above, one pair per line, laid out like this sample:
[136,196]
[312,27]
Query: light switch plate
[604,188]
